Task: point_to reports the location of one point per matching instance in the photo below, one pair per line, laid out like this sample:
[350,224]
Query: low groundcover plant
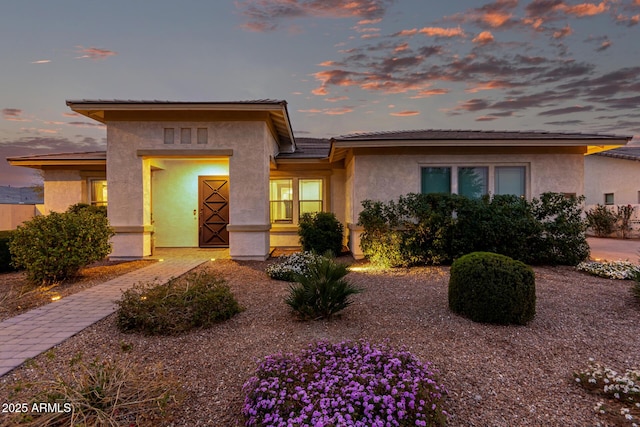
[289,267]
[622,270]
[344,384]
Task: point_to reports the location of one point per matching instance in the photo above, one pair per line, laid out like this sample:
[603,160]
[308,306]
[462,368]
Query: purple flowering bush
[345,384]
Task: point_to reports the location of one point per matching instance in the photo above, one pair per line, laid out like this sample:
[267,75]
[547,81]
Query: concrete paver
[31,333]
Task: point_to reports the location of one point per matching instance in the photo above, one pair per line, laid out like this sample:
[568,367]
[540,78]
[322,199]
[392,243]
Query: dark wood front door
[213,196]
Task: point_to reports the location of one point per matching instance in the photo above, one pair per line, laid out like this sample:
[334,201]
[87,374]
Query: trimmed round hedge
[492,288]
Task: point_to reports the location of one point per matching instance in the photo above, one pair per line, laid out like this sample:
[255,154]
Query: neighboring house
[231,174]
[613,177]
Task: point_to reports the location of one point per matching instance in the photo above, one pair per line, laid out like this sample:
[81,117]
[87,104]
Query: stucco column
[128,207]
[249,223]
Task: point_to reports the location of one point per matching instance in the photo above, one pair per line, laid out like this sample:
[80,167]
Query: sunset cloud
[442,32]
[328,111]
[13,115]
[483,38]
[405,113]
[429,92]
[41,61]
[93,53]
[585,9]
[564,32]
[266,15]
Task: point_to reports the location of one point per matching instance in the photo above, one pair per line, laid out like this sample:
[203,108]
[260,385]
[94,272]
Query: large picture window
[474,181]
[290,198]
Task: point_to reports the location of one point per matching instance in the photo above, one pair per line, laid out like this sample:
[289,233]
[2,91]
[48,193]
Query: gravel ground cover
[18,296]
[496,375]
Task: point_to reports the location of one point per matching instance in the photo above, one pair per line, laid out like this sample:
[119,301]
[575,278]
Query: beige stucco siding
[609,175]
[63,188]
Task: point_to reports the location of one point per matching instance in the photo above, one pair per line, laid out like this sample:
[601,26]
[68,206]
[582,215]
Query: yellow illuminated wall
[174,198]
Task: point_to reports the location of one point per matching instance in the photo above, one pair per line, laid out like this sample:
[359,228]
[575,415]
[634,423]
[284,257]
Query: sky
[342,66]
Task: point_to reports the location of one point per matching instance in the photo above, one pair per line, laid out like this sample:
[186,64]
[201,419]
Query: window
[510,180]
[436,180]
[169,135]
[289,198]
[281,200]
[472,182]
[310,196]
[98,192]
[608,198]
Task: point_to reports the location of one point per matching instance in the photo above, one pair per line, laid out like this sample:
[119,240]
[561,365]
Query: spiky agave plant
[322,291]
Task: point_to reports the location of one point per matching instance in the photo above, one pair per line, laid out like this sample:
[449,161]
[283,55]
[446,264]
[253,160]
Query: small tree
[53,248]
[601,220]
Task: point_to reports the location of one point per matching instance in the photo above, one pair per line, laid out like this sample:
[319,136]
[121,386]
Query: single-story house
[232,174]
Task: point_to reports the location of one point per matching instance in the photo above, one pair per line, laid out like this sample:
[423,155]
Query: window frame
[90,198]
[491,174]
[296,196]
[606,202]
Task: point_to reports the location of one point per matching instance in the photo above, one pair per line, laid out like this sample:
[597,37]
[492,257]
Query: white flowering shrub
[623,388]
[622,270]
[289,266]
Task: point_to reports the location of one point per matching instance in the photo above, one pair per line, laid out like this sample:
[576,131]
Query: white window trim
[491,179]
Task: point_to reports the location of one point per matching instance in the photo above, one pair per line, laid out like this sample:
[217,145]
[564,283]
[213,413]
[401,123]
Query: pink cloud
[586,9]
[405,113]
[329,111]
[93,53]
[411,32]
[41,61]
[401,47]
[442,32]
[265,15]
[562,33]
[496,19]
[429,92]
[494,84]
[483,38]
[13,115]
[336,98]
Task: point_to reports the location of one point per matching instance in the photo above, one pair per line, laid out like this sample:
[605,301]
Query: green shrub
[80,207]
[438,228]
[601,220]
[322,292]
[290,266]
[196,300]
[54,247]
[5,255]
[492,288]
[321,232]
[563,239]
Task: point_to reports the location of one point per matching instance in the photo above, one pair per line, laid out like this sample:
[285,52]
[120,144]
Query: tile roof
[440,134]
[630,152]
[308,148]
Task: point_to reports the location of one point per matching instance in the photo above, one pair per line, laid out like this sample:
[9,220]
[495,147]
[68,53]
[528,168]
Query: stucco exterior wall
[63,188]
[129,181]
[609,175]
[386,177]
[12,215]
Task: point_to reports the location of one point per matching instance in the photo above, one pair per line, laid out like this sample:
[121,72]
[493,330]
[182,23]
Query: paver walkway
[31,333]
